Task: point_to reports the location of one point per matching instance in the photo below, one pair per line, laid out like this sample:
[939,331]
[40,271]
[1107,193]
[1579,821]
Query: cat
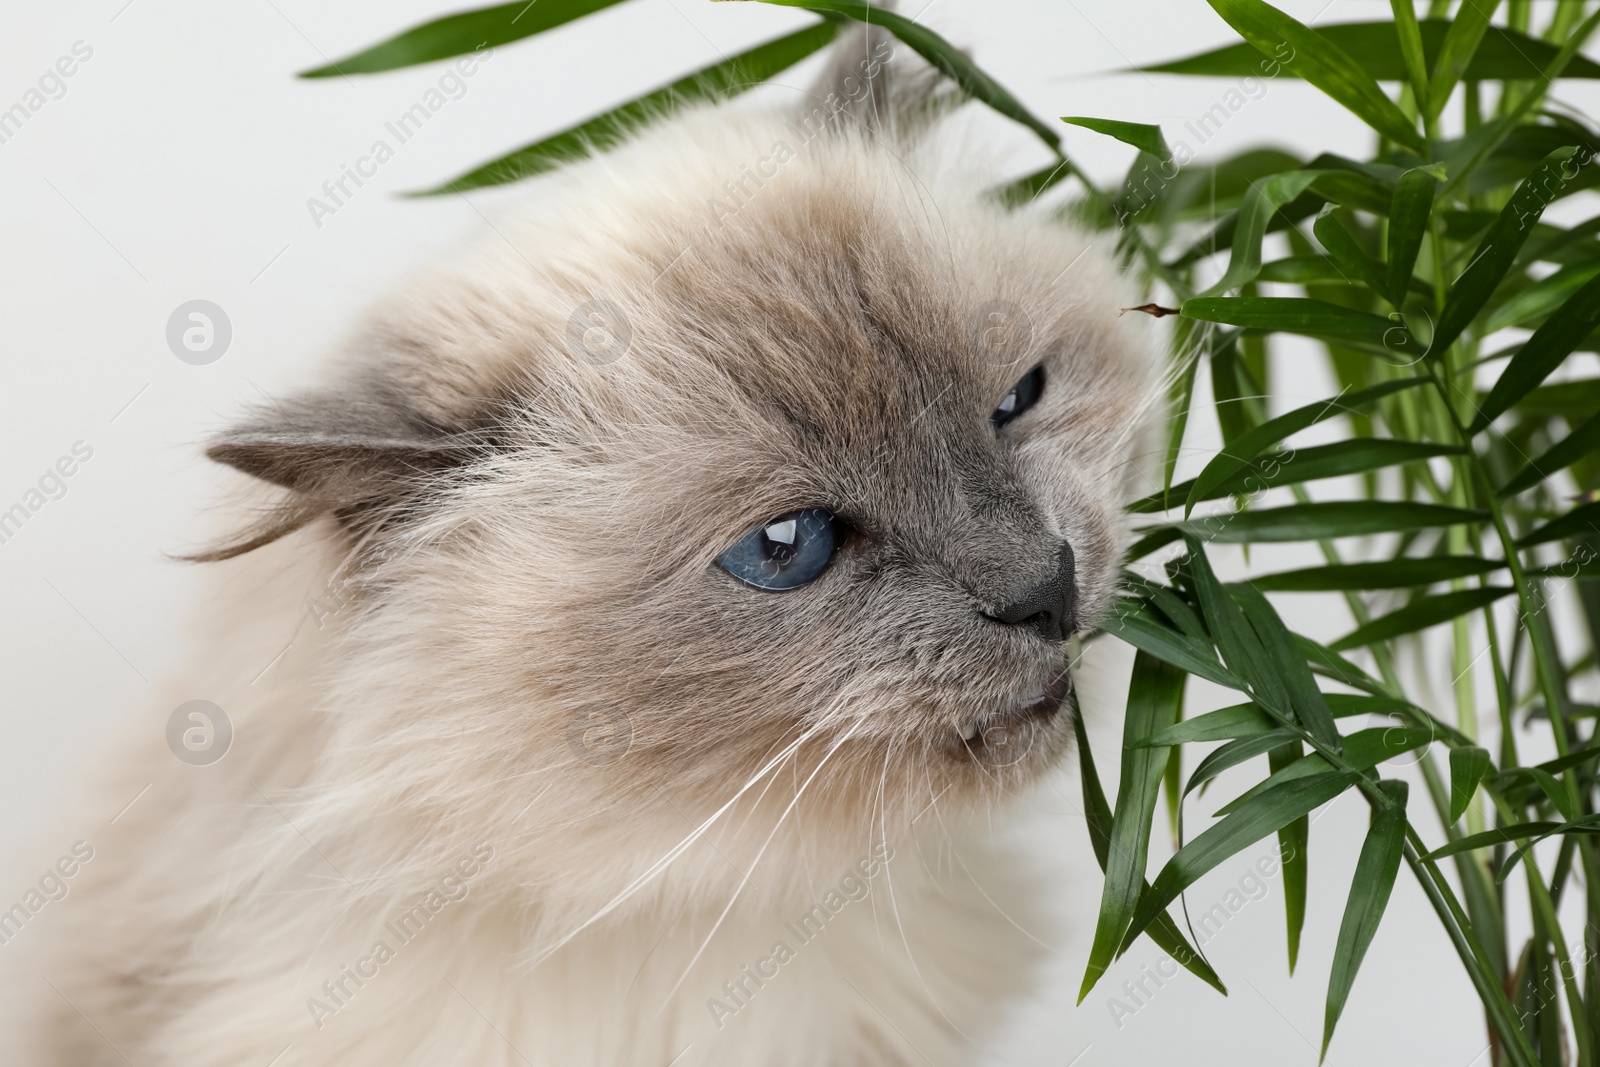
[663,615]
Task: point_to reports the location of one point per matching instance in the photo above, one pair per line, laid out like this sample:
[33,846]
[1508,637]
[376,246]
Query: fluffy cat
[676,592]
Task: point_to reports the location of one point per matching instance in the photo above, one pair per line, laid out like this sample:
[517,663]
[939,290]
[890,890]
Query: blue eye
[786,553]
[1023,396]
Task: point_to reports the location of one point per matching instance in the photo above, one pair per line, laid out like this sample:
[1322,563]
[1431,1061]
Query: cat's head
[751,450]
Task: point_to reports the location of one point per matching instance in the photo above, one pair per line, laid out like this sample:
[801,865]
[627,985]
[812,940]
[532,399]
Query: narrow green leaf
[1575,446]
[1303,315]
[1097,814]
[1499,247]
[1553,790]
[1328,663]
[1320,62]
[1263,815]
[1347,252]
[1541,298]
[1260,204]
[1294,851]
[1247,446]
[1421,613]
[1236,752]
[944,56]
[1154,696]
[1312,522]
[1543,352]
[1460,44]
[1575,523]
[1503,55]
[1376,869]
[1225,724]
[1310,707]
[1589,824]
[1363,750]
[1144,137]
[1237,640]
[1409,212]
[1467,768]
[1132,620]
[458,34]
[1387,574]
[727,78]
[1412,51]
[1503,835]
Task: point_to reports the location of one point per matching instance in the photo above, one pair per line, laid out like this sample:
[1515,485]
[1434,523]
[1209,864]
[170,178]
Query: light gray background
[177,166]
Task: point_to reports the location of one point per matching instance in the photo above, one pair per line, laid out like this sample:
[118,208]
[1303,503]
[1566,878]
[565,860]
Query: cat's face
[842,468]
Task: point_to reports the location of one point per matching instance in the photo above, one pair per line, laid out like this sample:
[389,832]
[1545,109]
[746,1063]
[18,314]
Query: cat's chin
[1007,737]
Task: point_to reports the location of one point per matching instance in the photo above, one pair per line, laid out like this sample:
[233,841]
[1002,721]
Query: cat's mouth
[1004,738]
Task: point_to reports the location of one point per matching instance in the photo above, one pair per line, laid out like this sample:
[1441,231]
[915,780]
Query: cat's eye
[1023,396]
[785,553]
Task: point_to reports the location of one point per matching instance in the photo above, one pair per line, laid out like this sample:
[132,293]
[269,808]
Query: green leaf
[1376,869]
[1498,249]
[1363,750]
[1409,211]
[1503,835]
[1132,620]
[1144,137]
[458,34]
[1541,298]
[1097,813]
[1412,50]
[1240,720]
[1312,522]
[1354,262]
[1575,446]
[1387,574]
[1294,849]
[1247,446]
[727,78]
[1260,204]
[1467,768]
[1154,696]
[1503,55]
[1264,814]
[941,54]
[1295,465]
[1575,523]
[1302,315]
[1589,824]
[1237,640]
[1320,62]
[1460,44]
[1310,707]
[1237,752]
[1328,663]
[1543,352]
[1421,613]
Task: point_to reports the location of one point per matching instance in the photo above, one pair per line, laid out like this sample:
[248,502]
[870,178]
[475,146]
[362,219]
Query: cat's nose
[1049,608]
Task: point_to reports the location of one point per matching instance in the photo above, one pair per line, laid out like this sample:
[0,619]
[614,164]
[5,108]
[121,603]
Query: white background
[178,165]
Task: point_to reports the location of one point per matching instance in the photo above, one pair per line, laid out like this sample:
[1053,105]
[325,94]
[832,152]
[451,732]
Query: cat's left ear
[360,458]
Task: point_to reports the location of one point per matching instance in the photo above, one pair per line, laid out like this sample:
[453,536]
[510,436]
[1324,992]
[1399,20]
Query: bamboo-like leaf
[1307,701]
[1502,835]
[1542,353]
[1363,750]
[1467,768]
[1224,724]
[941,54]
[1133,622]
[1541,298]
[1386,574]
[1235,753]
[1322,63]
[1241,646]
[1303,315]
[1460,44]
[1154,697]
[1343,247]
[458,34]
[1143,136]
[1097,813]
[1376,869]
[1262,816]
[1293,466]
[727,78]
[1318,521]
[1294,845]
[1503,55]
[1498,249]
[1589,824]
[1420,614]
[1247,446]
[1413,51]
[1260,204]
[1575,446]
[1409,212]
[1328,663]
[1575,523]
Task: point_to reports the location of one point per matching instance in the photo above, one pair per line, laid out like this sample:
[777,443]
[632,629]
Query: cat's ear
[875,83]
[360,458]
